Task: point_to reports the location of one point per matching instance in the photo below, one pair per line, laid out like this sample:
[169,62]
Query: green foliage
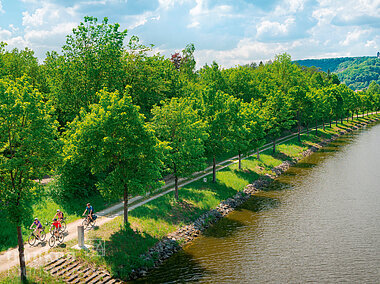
[356,72]
[277,111]
[28,145]
[179,126]
[152,79]
[113,140]
[91,61]
[17,63]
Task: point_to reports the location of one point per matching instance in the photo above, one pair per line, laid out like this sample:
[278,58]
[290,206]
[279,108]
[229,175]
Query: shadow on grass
[248,175]
[180,268]
[282,156]
[123,251]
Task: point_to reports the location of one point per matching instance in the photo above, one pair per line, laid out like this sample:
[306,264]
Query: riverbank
[164,225]
[166,247]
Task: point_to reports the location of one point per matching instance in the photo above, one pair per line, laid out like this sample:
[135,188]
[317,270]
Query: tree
[113,140]
[247,128]
[17,63]
[152,79]
[91,61]
[217,110]
[28,148]
[278,115]
[178,125]
[298,95]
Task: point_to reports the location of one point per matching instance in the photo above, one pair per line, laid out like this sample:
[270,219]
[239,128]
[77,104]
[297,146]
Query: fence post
[80,236]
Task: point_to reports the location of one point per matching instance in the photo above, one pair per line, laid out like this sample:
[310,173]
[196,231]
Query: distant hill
[356,72]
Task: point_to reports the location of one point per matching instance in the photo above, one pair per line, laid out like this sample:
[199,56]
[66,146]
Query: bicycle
[62,228]
[56,236]
[32,238]
[63,224]
[87,222]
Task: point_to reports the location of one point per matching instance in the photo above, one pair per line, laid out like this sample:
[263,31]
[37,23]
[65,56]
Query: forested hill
[356,72]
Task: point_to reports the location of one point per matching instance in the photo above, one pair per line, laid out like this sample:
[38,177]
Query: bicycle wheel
[32,239]
[43,235]
[52,241]
[85,223]
[93,222]
[63,224]
[51,230]
[60,237]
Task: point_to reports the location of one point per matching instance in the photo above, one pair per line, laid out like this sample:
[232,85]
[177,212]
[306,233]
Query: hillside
[356,72]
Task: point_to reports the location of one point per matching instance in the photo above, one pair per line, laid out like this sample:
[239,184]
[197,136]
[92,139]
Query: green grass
[36,276]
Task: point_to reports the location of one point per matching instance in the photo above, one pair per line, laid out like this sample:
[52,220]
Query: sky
[230,32]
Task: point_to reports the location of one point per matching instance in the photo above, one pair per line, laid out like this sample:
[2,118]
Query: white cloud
[201,14]
[4,34]
[274,29]
[245,52]
[60,30]
[372,44]
[288,7]
[167,4]
[1,8]
[353,37]
[135,21]
[13,28]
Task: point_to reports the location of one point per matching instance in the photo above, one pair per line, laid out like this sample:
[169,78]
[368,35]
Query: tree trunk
[357,115]
[316,127]
[307,128]
[341,120]
[352,116]
[299,126]
[336,122]
[175,182]
[125,206]
[213,170]
[330,121]
[274,145]
[347,117]
[323,125]
[239,161]
[21,255]
[176,187]
[258,153]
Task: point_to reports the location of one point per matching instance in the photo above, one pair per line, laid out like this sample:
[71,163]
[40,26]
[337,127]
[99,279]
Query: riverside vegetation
[108,121]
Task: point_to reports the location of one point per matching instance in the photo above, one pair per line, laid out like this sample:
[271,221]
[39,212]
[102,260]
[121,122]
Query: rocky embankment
[174,241]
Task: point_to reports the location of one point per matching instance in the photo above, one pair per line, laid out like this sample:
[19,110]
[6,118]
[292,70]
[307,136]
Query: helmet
[57,210]
[88,204]
[55,219]
[35,218]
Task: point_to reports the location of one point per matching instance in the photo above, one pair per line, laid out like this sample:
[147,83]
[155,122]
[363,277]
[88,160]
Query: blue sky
[230,32]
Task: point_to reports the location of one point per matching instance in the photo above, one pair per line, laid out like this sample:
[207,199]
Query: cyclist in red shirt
[57,225]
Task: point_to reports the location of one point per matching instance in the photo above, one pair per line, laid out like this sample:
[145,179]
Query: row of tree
[115,118]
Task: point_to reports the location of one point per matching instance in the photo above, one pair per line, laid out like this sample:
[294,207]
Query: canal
[318,222]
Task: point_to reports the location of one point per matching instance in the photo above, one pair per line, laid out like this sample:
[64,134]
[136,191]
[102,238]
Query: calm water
[319,222]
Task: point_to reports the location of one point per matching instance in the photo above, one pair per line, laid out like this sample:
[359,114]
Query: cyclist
[90,210]
[57,226]
[59,215]
[38,229]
